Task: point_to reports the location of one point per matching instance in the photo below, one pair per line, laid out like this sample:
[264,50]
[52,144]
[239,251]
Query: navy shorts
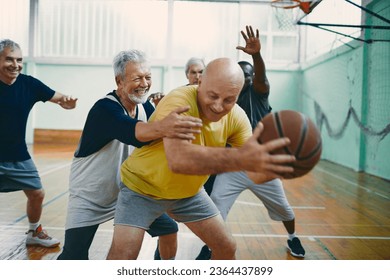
[163,225]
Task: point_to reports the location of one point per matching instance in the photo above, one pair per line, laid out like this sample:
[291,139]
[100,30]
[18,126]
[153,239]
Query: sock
[33,226]
[291,236]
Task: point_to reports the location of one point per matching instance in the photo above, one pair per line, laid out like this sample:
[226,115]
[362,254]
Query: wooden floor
[340,215]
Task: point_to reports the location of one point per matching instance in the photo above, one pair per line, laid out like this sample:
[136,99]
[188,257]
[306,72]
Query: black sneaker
[296,248]
[205,253]
[157,254]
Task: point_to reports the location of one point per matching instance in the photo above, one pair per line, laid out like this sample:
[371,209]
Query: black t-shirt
[255,105]
[16,102]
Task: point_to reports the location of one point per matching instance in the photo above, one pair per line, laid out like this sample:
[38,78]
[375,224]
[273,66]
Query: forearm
[57,97]
[187,158]
[260,82]
[65,101]
[201,160]
[149,131]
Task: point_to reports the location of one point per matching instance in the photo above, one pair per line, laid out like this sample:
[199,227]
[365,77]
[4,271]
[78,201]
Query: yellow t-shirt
[146,171]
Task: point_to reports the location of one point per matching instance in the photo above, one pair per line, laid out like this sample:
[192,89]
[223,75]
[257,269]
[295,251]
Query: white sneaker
[39,237]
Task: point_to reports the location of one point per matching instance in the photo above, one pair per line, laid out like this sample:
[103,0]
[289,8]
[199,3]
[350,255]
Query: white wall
[90,82]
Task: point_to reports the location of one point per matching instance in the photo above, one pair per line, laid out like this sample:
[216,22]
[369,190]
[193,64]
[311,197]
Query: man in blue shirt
[18,94]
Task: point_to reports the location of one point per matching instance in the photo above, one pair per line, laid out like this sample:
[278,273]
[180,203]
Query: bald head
[224,69]
[219,87]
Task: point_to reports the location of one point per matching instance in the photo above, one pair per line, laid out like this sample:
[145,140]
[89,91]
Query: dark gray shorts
[19,175]
[140,211]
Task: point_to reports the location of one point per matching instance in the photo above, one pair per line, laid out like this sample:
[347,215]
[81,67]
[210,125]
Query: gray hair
[122,58]
[193,61]
[7,43]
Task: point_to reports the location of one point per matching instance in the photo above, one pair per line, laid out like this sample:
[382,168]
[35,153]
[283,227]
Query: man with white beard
[115,125]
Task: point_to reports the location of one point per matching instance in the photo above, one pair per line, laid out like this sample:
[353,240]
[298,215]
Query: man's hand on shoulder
[176,125]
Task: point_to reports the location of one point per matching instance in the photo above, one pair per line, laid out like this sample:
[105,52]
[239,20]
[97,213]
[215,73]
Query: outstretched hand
[258,157]
[67,102]
[253,45]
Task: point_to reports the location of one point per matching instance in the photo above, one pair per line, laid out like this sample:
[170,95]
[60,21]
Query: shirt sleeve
[180,97]
[41,91]
[107,121]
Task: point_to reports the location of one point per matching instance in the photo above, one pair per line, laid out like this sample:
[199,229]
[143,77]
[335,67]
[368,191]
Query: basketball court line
[294,207]
[312,224]
[244,235]
[51,170]
[43,174]
[313,237]
[351,183]
[43,206]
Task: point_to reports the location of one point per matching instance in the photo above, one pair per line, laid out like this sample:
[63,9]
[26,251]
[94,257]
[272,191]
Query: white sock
[291,236]
[33,226]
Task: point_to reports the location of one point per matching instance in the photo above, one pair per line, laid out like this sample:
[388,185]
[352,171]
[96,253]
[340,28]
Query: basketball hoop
[289,12]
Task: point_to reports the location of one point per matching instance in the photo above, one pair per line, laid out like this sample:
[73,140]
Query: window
[204,29]
[319,41]
[99,29]
[279,45]
[93,31]
[14,17]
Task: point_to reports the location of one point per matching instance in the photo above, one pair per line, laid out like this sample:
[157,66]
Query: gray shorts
[140,211]
[228,186]
[19,175]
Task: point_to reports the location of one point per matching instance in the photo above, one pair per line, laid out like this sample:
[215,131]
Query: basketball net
[289,12]
[286,18]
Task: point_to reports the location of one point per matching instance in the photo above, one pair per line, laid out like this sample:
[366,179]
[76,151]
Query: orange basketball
[305,138]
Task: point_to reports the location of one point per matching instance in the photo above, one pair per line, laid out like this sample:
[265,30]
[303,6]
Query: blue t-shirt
[108,121]
[16,102]
[255,104]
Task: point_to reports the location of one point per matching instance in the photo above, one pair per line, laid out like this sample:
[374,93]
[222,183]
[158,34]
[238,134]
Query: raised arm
[65,101]
[252,47]
[187,158]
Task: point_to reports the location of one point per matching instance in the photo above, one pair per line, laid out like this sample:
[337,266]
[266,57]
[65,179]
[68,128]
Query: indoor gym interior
[333,66]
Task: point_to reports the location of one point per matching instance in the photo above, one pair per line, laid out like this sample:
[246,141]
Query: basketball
[305,138]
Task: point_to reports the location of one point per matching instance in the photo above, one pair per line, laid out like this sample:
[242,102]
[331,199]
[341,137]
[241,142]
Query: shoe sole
[41,245]
[295,255]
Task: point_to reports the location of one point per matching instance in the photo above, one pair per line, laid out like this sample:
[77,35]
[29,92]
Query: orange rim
[286,5]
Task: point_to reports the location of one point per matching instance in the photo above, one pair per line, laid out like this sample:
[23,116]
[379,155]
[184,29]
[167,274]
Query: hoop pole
[344,25]
[342,34]
[368,11]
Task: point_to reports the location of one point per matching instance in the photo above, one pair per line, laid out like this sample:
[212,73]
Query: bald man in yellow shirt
[168,174]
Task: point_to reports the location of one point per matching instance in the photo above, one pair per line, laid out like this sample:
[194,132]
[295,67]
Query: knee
[231,248]
[226,249]
[36,195]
